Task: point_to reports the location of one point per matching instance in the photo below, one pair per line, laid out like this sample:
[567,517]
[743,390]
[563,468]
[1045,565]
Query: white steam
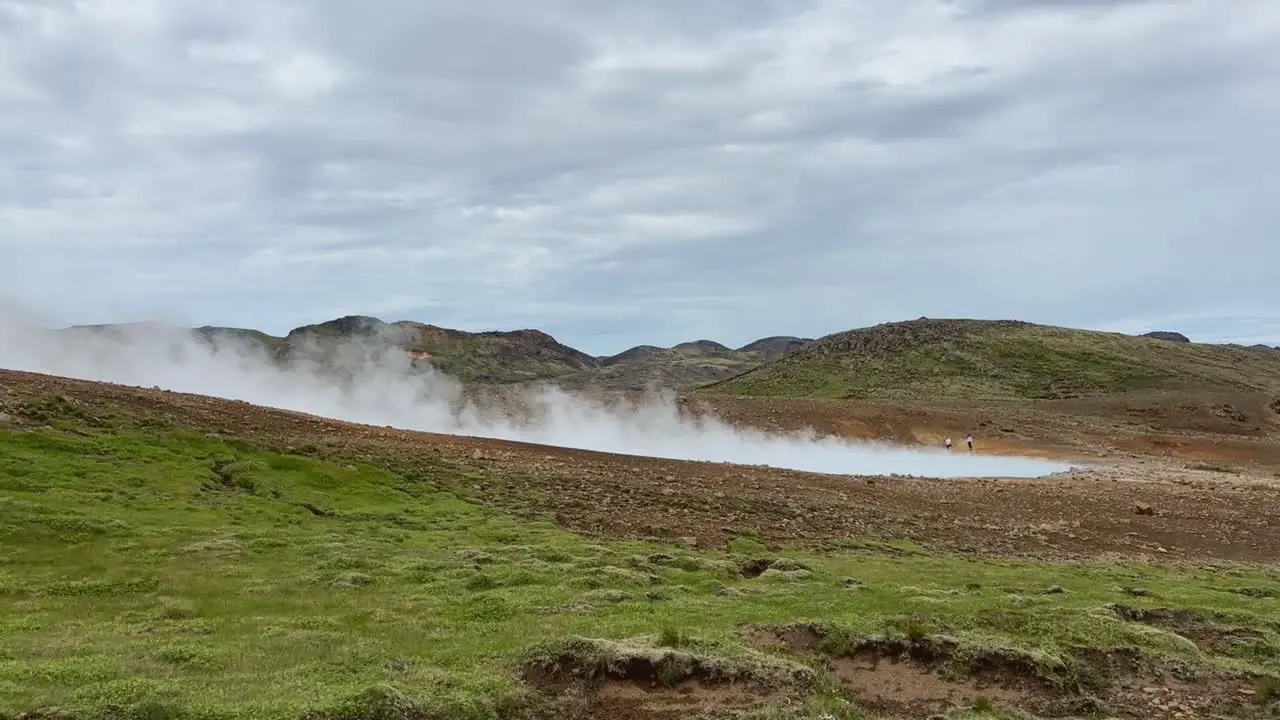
[379,387]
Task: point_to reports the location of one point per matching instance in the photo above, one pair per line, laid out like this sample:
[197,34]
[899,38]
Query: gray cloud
[623,173]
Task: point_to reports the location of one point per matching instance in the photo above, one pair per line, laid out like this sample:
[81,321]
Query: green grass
[971,359]
[158,574]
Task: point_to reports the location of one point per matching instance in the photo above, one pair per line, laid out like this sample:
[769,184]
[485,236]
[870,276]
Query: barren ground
[1183,494]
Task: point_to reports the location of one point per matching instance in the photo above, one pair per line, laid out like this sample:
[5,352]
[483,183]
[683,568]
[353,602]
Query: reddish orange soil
[1193,512]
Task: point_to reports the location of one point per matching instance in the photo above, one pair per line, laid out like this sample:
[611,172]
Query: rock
[1229,412]
[6,418]
[690,541]
[1138,592]
[1053,590]
[850,582]
[1142,508]
[1167,336]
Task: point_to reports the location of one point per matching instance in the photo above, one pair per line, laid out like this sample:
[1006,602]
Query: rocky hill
[1001,359]
[504,357]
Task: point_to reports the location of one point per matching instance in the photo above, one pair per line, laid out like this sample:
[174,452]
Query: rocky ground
[1195,496]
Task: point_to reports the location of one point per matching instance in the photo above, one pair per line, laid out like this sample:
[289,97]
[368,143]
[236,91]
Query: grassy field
[991,360]
[157,574]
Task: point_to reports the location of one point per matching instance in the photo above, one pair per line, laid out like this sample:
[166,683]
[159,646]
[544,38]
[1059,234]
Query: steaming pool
[724,444]
[382,392]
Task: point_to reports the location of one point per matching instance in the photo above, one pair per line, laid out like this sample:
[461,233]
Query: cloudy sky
[626,172]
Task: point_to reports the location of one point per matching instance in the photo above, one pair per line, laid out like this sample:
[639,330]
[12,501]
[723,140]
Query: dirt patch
[1127,684]
[1169,695]
[916,678]
[1205,630]
[910,688]
[912,678]
[635,680]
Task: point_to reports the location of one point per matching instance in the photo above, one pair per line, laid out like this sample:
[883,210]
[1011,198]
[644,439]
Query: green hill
[1001,359]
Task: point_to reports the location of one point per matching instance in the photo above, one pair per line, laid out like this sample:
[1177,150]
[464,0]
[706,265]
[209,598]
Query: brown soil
[1088,513]
[918,679]
[907,689]
[638,690]
[912,679]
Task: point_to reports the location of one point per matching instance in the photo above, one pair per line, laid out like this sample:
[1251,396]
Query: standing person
[968,439]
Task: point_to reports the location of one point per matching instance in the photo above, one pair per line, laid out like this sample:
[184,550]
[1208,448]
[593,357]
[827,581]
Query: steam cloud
[379,387]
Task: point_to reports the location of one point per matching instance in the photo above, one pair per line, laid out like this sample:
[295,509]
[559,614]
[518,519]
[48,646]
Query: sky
[622,173]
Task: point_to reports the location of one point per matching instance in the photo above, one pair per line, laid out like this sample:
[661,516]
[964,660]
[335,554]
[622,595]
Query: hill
[504,357]
[1001,359]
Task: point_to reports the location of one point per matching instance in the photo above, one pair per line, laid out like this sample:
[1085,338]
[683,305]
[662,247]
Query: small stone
[1138,592]
[690,541]
[1053,590]
[850,582]
[1143,509]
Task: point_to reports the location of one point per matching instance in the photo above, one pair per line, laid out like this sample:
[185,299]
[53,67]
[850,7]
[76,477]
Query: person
[968,438]
[948,443]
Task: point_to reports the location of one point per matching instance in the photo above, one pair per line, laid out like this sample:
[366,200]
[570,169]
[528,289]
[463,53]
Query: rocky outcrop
[1168,336]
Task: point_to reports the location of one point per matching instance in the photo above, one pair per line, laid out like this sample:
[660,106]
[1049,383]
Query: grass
[159,574]
[978,360]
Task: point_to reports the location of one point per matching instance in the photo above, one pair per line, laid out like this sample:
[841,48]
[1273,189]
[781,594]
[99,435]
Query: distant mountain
[772,348]
[961,358]
[514,356]
[685,365]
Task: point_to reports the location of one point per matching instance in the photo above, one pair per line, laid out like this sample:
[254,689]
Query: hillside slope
[998,360]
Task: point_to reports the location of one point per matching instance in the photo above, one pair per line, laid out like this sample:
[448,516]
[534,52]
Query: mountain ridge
[946,357]
[490,356]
